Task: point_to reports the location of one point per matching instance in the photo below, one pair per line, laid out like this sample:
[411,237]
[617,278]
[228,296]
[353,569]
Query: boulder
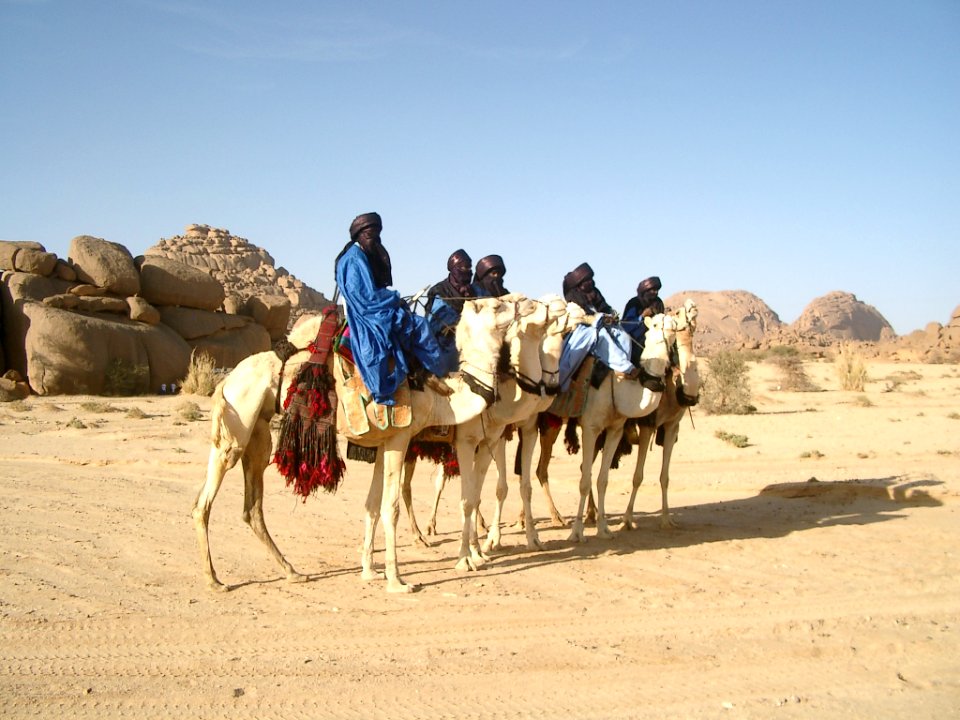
[168,282]
[191,324]
[34,261]
[65,271]
[13,387]
[70,353]
[229,347]
[841,316]
[104,264]
[9,249]
[142,311]
[16,288]
[728,319]
[271,311]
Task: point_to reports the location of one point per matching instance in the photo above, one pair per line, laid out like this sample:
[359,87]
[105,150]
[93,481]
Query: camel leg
[407,495]
[528,435]
[645,435]
[494,536]
[394,452]
[614,434]
[466,453]
[371,518]
[588,439]
[671,431]
[590,518]
[255,461]
[547,439]
[439,483]
[220,460]
[499,455]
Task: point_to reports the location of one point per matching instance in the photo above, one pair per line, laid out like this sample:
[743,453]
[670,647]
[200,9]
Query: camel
[246,400]
[605,410]
[682,390]
[523,395]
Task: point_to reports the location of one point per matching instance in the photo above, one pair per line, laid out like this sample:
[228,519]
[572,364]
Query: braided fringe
[307,454]
[361,453]
[439,453]
[571,440]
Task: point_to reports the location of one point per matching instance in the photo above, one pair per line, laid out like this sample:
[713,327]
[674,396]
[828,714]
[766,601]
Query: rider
[385,336]
[646,303]
[445,303]
[579,287]
[488,279]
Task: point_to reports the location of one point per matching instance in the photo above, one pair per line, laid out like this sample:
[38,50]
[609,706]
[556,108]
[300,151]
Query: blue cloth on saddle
[382,329]
[443,321]
[610,344]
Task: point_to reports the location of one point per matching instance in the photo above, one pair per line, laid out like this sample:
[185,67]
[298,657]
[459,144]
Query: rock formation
[254,286]
[729,319]
[102,323]
[841,316]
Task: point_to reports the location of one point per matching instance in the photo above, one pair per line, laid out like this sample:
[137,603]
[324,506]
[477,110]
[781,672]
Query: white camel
[605,411]
[245,401]
[682,390]
[529,388]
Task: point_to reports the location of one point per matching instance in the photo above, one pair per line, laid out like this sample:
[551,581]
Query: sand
[814,573]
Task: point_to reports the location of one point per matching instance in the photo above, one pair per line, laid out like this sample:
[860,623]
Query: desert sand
[814,573]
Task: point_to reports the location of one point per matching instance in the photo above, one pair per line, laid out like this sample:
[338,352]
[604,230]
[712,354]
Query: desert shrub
[851,368]
[954,416]
[726,385]
[202,375]
[76,423]
[136,413]
[124,378]
[793,376]
[18,406]
[740,441]
[189,411]
[811,454]
[98,407]
[862,401]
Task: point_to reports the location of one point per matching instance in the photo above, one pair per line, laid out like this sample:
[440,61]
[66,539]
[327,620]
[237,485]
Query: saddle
[357,409]
[570,404]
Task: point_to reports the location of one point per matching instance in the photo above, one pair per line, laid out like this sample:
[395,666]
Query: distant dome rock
[729,319]
[245,270]
[841,316]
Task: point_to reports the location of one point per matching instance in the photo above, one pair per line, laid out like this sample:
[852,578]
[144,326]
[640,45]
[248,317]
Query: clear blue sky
[785,147]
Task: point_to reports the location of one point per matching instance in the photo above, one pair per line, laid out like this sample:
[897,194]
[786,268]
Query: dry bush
[98,407]
[726,385]
[740,441]
[851,368]
[123,378]
[189,411]
[789,363]
[202,375]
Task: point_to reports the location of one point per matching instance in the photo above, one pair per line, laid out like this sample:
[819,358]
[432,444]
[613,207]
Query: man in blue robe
[488,278]
[646,303]
[385,335]
[445,303]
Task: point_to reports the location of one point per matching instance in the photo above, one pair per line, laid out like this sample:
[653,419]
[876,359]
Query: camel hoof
[492,545]
[534,544]
[629,524]
[423,542]
[367,575]
[559,522]
[465,564]
[604,534]
[577,536]
[294,577]
[396,585]
[669,524]
[217,586]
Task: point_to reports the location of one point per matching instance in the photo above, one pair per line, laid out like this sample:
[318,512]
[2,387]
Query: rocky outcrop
[841,316]
[729,319]
[254,285]
[102,323]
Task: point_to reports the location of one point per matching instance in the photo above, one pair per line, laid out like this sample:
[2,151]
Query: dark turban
[362,222]
[460,257]
[576,276]
[488,263]
[651,283]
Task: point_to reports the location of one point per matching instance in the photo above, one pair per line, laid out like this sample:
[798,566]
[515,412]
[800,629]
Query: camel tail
[218,430]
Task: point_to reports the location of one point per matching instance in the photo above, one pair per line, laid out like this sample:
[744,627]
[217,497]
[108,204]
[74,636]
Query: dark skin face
[369,238]
[647,297]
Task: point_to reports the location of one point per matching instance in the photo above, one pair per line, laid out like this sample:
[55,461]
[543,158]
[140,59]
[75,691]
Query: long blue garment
[443,320]
[382,329]
[608,343]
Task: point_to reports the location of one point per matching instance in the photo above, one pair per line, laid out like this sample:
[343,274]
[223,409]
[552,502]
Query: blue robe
[608,343]
[383,330]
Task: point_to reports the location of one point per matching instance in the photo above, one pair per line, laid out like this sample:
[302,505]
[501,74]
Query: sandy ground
[776,597]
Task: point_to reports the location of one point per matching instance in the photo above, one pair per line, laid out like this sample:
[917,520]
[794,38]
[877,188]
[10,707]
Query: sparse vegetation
[953,416]
[944,452]
[98,407]
[202,375]
[124,378]
[811,454]
[189,411]
[77,423]
[793,376]
[862,401]
[726,386]
[740,441]
[136,413]
[18,406]
[851,368]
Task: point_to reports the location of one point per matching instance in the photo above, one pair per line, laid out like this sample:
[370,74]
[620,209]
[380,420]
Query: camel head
[562,317]
[686,325]
[482,329]
[660,338]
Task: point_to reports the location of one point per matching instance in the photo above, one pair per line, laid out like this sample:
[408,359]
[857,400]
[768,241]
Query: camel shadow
[776,511]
